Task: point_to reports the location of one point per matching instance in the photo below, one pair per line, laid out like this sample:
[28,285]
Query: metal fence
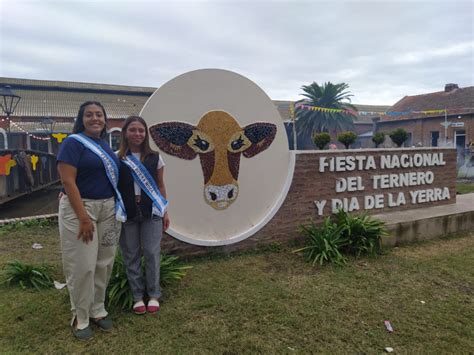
[25,171]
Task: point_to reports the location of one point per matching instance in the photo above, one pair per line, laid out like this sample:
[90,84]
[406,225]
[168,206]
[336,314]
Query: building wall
[421,129]
[309,185]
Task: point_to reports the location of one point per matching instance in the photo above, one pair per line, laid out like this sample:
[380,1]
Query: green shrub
[378,138]
[361,233]
[321,139]
[119,293]
[398,136]
[19,225]
[324,243]
[27,276]
[347,138]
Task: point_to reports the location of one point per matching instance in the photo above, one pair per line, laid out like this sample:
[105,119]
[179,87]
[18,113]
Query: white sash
[111,170]
[142,177]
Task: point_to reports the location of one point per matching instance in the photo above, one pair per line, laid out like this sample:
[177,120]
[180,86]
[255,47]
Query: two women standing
[91,209]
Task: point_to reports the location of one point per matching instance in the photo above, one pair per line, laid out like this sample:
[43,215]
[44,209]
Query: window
[3,139]
[16,141]
[114,138]
[434,138]
[409,142]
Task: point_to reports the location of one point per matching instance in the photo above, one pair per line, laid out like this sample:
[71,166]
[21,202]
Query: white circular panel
[263,179]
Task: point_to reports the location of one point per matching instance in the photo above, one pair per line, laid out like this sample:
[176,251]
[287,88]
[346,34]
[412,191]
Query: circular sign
[228,165]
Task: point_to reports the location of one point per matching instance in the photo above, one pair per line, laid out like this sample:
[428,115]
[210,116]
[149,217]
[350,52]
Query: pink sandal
[153,306]
[139,308]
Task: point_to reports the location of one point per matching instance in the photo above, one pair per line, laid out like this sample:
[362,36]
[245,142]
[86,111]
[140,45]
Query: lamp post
[47,124]
[9,102]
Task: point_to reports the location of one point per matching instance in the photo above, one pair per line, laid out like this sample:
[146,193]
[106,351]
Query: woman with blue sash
[90,212]
[142,187]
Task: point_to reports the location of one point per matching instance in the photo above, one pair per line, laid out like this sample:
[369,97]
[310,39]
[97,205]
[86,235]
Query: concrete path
[430,222]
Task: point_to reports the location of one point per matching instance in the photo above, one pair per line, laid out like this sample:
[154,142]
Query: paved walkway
[464,203]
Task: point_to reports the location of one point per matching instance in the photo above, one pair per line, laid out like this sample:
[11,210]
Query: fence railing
[25,171]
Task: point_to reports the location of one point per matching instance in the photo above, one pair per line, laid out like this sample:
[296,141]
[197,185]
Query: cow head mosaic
[219,141]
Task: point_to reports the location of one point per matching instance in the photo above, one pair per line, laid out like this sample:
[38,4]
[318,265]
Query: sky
[384,50]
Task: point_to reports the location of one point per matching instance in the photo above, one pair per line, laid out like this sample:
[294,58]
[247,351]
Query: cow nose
[220,196]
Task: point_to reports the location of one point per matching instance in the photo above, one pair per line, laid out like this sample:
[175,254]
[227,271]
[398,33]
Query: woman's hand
[166,222]
[86,230]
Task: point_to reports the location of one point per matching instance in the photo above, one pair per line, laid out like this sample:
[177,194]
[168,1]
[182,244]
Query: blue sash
[142,177]
[111,170]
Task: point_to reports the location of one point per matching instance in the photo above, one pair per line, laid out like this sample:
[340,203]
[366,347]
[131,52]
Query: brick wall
[309,185]
[421,129]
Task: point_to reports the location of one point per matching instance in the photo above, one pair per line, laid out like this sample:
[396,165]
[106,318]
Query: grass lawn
[268,302]
[464,188]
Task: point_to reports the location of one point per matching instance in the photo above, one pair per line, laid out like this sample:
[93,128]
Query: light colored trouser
[144,235]
[88,267]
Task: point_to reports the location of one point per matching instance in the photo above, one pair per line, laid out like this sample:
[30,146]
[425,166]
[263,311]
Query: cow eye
[237,144]
[201,144]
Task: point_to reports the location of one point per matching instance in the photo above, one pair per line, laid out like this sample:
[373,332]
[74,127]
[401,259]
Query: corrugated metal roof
[66,104]
[35,127]
[53,84]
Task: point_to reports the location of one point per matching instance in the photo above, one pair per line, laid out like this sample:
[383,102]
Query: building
[443,118]
[48,107]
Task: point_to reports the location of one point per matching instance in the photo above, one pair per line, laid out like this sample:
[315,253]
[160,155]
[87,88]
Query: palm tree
[328,95]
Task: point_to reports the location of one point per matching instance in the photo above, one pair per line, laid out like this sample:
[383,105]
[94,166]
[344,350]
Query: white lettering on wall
[353,183]
[379,181]
[320,206]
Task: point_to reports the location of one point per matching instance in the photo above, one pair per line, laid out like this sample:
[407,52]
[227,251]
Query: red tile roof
[456,101]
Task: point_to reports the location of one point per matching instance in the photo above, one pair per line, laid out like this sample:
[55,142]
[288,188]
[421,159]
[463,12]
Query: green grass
[464,188]
[268,302]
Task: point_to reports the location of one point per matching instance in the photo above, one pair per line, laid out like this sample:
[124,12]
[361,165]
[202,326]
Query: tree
[321,139]
[347,138]
[398,136]
[328,95]
[378,138]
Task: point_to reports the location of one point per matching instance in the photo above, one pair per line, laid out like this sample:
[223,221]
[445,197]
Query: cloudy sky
[384,50]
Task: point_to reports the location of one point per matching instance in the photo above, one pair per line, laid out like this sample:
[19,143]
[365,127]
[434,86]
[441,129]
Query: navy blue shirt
[91,178]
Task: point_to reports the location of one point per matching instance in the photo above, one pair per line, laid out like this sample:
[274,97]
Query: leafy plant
[27,276]
[378,138]
[321,139]
[347,138]
[171,270]
[324,243]
[361,233]
[119,293]
[398,136]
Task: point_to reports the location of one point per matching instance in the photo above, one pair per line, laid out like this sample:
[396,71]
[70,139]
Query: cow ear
[173,137]
[261,135]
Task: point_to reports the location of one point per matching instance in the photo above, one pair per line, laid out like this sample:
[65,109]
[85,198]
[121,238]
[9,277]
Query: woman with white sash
[143,190]
[90,212]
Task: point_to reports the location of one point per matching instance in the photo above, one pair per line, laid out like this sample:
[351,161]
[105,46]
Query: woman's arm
[162,188]
[68,175]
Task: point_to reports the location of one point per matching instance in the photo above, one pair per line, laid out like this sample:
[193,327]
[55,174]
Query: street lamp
[47,124]
[9,102]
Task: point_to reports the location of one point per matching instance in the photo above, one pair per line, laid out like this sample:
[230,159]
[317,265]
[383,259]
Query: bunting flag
[59,136]
[325,109]
[292,111]
[379,113]
[34,161]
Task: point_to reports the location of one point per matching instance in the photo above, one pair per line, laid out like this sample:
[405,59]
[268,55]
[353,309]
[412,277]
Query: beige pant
[88,267]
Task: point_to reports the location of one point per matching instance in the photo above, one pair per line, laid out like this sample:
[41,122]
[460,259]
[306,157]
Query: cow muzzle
[220,197]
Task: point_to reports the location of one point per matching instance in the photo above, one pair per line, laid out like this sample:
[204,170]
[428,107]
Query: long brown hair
[145,148]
